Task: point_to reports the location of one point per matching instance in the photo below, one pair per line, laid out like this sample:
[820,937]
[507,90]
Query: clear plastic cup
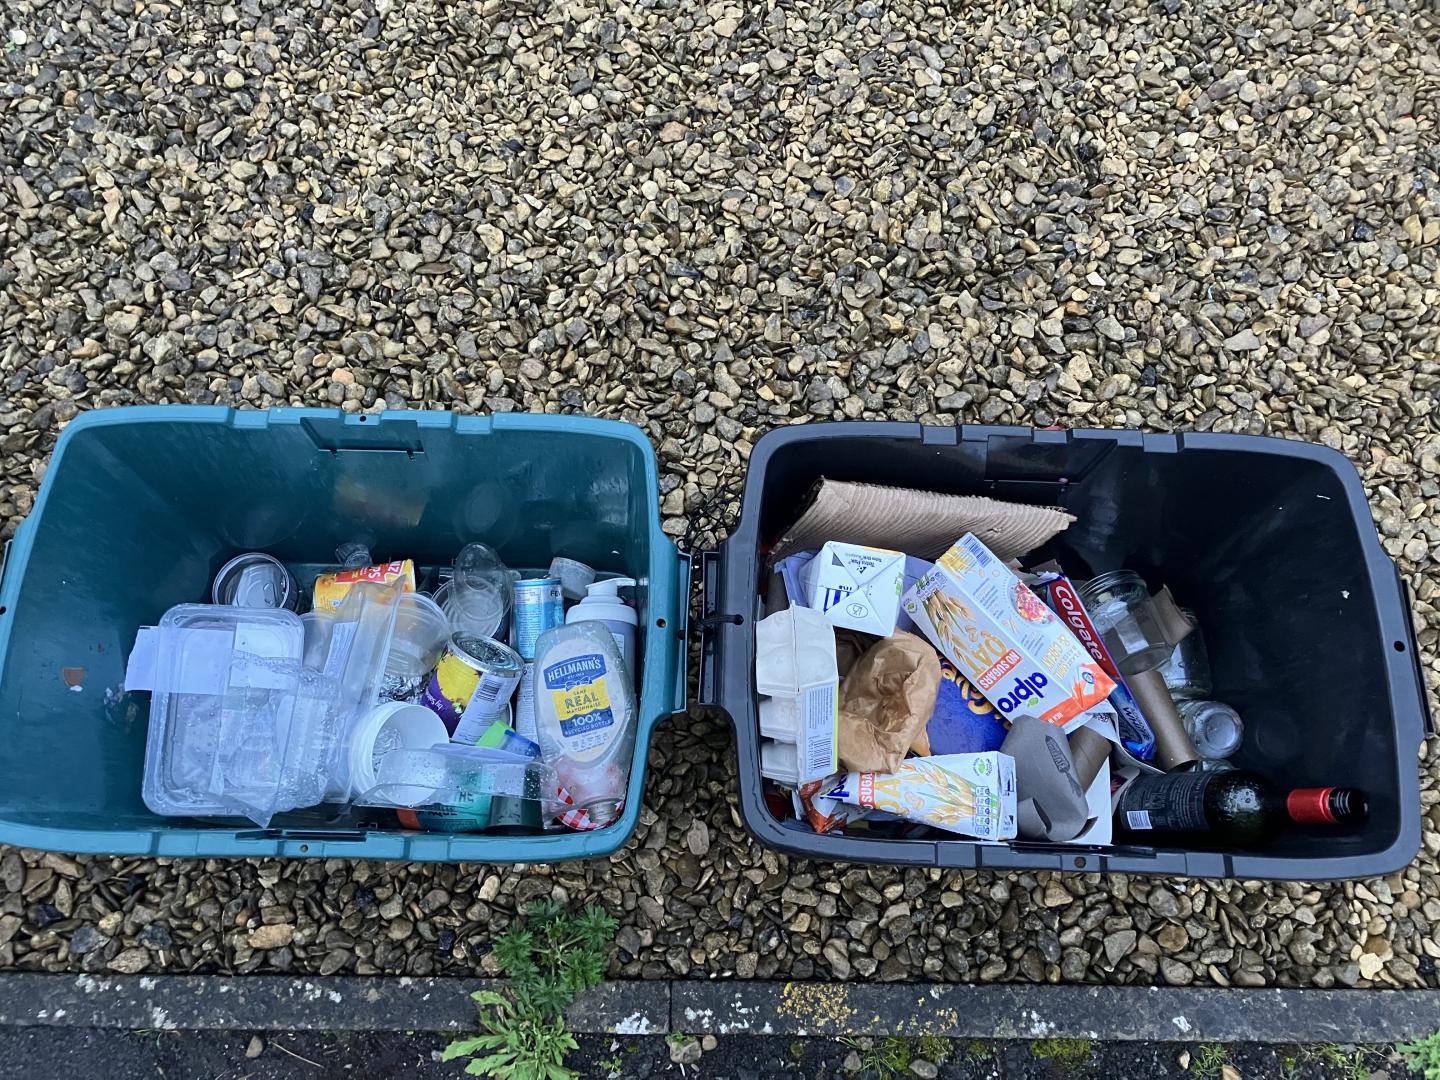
[477,598]
[421,630]
[478,567]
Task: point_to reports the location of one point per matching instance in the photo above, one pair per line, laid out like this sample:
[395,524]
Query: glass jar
[1215,728]
[1119,605]
[1187,672]
[1214,765]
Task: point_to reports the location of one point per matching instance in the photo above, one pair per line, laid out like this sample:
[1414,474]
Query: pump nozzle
[609,587]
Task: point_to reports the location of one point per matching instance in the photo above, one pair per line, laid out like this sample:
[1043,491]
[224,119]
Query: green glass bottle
[1234,808]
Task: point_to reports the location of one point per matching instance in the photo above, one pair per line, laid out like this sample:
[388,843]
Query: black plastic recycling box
[1269,540]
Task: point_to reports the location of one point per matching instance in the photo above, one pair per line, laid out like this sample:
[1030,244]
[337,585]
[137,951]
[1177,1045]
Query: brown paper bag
[885,700]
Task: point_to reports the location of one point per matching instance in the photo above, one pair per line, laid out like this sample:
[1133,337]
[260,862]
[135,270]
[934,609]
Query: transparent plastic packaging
[237,724]
[455,776]
[477,599]
[354,666]
[421,630]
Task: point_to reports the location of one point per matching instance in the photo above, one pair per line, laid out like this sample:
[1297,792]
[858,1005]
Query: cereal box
[1003,637]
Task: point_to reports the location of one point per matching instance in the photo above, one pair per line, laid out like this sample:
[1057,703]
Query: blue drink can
[539,606]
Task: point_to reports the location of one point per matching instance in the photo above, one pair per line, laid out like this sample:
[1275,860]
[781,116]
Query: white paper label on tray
[260,660]
[191,661]
[820,715]
[341,639]
[140,667]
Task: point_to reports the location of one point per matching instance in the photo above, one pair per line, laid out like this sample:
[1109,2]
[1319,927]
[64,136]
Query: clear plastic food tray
[226,684]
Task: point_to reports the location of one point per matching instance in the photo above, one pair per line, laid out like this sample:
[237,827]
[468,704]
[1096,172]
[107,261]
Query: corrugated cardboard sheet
[920,523]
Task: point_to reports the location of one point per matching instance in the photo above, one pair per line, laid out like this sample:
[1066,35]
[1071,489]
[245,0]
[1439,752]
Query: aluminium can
[539,606]
[254,580]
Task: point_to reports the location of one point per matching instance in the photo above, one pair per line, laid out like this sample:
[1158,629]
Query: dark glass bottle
[1235,808]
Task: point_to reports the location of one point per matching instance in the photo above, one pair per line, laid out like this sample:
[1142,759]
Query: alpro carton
[1004,638]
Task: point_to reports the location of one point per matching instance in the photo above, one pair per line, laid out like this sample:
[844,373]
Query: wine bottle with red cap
[1235,808]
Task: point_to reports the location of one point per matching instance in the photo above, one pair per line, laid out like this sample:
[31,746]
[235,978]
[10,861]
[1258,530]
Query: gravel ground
[709,220]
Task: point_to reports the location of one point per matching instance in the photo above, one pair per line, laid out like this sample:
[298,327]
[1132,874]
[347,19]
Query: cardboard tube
[1172,620]
[1088,749]
[1172,745]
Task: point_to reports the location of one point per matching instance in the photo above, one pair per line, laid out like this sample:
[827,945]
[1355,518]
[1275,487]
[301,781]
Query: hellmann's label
[580,698]
[1004,639]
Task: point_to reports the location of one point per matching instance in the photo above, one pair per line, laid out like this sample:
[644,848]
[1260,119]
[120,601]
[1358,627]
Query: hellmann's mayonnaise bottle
[585,716]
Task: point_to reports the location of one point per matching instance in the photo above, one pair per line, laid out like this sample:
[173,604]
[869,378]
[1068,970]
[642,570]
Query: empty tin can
[254,580]
[472,684]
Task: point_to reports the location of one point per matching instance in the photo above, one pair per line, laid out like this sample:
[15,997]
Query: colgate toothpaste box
[1064,600]
[1003,637]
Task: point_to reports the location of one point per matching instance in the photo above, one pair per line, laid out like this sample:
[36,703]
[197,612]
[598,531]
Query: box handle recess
[708,623]
[364,431]
[355,836]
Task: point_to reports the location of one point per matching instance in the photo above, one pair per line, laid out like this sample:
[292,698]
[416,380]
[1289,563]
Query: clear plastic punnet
[241,723]
[224,737]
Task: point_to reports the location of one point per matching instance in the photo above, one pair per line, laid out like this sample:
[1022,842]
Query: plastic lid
[396,725]
[608,588]
[575,577]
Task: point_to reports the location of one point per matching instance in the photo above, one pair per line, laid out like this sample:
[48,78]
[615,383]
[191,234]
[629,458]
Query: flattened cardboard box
[919,523]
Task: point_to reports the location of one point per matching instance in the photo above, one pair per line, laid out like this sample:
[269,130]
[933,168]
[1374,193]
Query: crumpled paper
[885,700]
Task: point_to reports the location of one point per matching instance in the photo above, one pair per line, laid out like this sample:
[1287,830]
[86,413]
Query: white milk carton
[856,587]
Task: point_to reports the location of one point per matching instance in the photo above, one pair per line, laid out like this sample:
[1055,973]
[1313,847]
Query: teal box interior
[141,506]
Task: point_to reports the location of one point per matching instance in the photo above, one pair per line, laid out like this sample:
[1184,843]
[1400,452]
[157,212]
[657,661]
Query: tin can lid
[254,580]
[488,653]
